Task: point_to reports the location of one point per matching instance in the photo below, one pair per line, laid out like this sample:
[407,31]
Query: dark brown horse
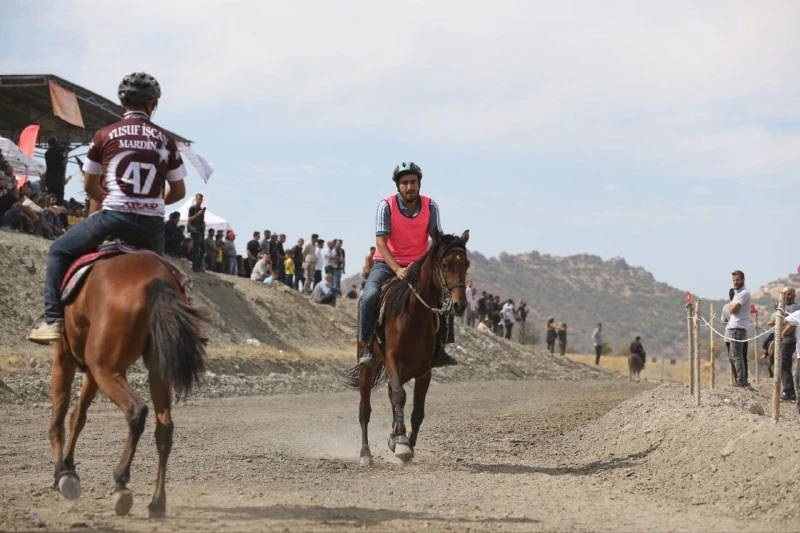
[129,307]
[432,290]
[635,366]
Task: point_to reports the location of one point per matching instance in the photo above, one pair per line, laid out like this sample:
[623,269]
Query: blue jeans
[370,296]
[198,251]
[337,280]
[86,236]
[230,265]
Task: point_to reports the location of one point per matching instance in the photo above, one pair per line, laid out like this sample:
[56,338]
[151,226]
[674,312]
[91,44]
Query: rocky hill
[582,290]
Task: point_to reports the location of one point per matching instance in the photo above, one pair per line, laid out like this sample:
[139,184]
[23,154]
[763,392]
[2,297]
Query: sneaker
[44,333]
[442,358]
[367,359]
[788,397]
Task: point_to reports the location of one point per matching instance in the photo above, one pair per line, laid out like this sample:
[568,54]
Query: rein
[447,295]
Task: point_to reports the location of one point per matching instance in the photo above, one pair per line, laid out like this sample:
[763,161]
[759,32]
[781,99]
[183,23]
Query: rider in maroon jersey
[125,176]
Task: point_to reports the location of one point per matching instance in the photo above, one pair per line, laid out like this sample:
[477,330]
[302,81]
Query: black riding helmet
[139,88]
[406,168]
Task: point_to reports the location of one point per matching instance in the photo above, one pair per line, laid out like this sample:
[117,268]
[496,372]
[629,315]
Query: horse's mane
[398,290]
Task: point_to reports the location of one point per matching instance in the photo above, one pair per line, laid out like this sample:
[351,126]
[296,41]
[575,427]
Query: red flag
[753,309]
[688,298]
[27,142]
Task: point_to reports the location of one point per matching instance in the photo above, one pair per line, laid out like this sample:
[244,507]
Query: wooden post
[662,368]
[696,338]
[755,347]
[711,345]
[776,391]
[689,310]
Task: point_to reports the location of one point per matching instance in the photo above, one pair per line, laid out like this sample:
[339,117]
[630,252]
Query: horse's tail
[174,339]
[351,377]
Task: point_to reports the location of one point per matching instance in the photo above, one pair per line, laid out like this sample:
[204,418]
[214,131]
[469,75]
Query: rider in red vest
[126,173]
[404,222]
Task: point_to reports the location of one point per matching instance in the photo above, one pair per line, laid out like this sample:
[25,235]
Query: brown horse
[129,307]
[635,366]
[432,290]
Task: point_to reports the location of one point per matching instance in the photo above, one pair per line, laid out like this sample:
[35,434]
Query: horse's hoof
[366,460]
[123,501]
[391,443]
[404,452]
[69,486]
[156,513]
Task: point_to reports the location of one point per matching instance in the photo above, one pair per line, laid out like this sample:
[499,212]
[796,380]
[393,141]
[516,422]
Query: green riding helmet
[406,168]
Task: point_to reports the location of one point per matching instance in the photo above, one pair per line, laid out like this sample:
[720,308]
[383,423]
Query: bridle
[446,296]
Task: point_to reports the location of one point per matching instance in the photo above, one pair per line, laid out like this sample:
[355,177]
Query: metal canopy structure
[27,99]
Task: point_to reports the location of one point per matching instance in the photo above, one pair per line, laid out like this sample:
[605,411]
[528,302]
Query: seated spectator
[186,249]
[486,326]
[261,270]
[323,292]
[173,236]
[9,197]
[353,293]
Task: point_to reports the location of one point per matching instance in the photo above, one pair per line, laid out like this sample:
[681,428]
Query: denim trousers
[198,251]
[84,237]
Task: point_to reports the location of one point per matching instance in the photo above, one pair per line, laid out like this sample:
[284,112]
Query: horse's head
[452,263]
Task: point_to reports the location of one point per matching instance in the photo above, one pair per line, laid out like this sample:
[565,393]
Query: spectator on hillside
[597,340]
[229,253]
[320,265]
[186,251]
[173,237]
[550,334]
[467,318]
[369,261]
[330,257]
[40,226]
[339,265]
[637,348]
[253,246]
[211,251]
[264,245]
[261,270]
[474,308]
[522,316]
[352,294]
[495,313]
[296,254]
[288,270]
[310,262]
[739,309]
[197,230]
[483,306]
[281,255]
[562,338]
[485,326]
[509,313]
[323,292]
[220,242]
[55,178]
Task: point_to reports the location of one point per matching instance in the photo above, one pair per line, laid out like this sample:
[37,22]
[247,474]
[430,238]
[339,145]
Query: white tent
[213,221]
[22,162]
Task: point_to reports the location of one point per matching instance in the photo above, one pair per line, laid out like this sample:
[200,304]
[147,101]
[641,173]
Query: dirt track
[499,455]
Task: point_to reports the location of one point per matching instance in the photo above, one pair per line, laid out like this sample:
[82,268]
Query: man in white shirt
[738,323]
[509,317]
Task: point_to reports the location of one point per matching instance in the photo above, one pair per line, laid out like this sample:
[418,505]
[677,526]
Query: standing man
[509,317]
[297,257]
[739,309]
[788,342]
[211,251]
[338,265]
[405,220]
[281,258]
[55,177]
[253,247]
[522,316]
[125,177]
[197,231]
[310,262]
[469,316]
[320,261]
[597,340]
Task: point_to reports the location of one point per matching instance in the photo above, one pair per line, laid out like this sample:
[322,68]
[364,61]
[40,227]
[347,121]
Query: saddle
[78,271]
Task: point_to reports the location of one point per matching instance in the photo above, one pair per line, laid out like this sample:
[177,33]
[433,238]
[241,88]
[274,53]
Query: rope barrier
[705,322]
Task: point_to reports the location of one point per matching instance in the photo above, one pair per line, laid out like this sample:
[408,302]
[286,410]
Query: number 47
[133,175]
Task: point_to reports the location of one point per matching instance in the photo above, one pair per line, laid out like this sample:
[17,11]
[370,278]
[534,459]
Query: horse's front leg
[421,385]
[60,390]
[398,441]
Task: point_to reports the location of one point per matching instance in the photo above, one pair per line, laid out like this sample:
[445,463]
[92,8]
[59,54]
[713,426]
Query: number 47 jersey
[135,159]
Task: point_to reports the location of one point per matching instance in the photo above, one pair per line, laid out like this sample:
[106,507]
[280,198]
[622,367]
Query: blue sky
[665,133]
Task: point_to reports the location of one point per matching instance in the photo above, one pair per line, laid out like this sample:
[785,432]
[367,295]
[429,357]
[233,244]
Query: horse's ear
[465,236]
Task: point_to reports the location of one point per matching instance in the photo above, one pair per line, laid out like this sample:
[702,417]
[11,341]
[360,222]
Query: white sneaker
[44,333]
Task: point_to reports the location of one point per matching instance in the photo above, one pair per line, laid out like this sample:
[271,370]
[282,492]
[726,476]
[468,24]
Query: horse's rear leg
[60,390]
[162,399]
[366,377]
[116,387]
[421,385]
